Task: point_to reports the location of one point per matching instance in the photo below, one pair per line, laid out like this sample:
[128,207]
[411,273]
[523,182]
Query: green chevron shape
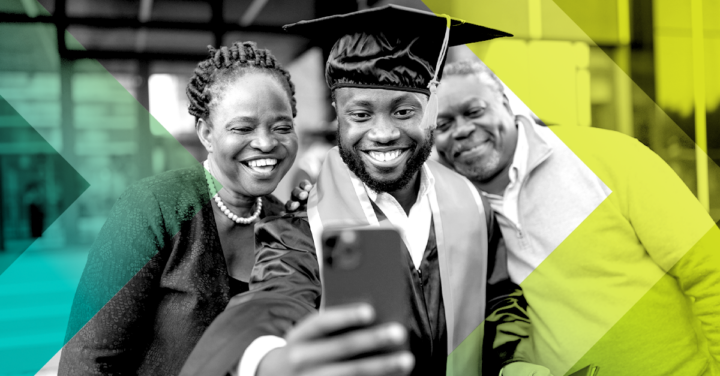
[33,275]
[15,130]
[22,336]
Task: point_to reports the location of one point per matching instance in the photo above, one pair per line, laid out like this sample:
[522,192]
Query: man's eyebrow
[404,98]
[360,102]
[459,105]
[470,100]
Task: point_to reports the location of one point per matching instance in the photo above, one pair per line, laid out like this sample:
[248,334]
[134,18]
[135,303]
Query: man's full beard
[412,166]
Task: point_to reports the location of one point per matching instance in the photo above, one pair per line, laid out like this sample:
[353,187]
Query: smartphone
[366,265]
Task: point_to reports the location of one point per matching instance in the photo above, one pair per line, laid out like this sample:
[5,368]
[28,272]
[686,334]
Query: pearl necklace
[216,196]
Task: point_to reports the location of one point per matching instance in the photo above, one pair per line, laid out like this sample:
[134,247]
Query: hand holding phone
[315,347]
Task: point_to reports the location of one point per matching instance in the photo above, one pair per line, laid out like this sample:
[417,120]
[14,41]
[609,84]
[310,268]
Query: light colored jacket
[618,246]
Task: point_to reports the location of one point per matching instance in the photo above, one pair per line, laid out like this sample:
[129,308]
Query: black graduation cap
[390,47]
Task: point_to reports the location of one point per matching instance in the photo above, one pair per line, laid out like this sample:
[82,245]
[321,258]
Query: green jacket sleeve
[100,336]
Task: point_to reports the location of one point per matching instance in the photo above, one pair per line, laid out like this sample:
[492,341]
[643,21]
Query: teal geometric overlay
[73,138]
[15,130]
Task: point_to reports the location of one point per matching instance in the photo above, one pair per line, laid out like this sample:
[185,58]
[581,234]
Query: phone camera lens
[330,242]
[348,237]
[346,257]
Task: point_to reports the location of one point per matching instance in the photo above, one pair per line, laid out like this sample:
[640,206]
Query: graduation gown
[506,318]
[472,266]
[285,287]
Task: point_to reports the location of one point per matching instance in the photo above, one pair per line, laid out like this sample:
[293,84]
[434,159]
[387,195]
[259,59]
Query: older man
[618,261]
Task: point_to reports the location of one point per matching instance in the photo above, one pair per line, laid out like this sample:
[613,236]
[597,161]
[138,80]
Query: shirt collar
[427,180]
[518,168]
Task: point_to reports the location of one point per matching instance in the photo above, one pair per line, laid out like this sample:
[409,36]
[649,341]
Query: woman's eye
[242,129]
[284,128]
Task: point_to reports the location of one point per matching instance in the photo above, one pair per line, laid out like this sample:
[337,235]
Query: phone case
[366,265]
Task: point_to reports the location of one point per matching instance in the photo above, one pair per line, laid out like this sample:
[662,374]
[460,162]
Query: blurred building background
[78,77]
[647,68]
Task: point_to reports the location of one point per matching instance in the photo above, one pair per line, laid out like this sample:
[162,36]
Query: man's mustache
[466,145]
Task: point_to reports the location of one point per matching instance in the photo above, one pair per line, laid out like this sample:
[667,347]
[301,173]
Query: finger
[351,344]
[299,194]
[306,185]
[291,206]
[400,363]
[332,320]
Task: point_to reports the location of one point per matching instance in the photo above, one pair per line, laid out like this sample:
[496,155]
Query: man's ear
[204,132]
[334,105]
[506,104]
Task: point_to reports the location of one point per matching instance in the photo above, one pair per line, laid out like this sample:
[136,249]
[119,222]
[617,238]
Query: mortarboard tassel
[429,120]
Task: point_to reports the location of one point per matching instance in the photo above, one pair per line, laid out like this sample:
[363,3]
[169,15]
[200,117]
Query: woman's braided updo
[225,64]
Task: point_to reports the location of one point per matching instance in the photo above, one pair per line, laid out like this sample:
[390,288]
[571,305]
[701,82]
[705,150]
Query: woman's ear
[204,132]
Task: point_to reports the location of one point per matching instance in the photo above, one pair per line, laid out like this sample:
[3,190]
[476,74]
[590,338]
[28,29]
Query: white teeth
[384,156]
[262,162]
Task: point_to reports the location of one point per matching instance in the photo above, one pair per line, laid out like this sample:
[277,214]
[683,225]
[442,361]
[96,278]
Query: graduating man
[466,317]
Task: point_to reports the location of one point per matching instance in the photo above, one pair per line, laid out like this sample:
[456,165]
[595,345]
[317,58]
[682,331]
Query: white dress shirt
[255,353]
[414,228]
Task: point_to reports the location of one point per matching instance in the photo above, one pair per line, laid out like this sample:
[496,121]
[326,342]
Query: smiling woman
[193,253]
